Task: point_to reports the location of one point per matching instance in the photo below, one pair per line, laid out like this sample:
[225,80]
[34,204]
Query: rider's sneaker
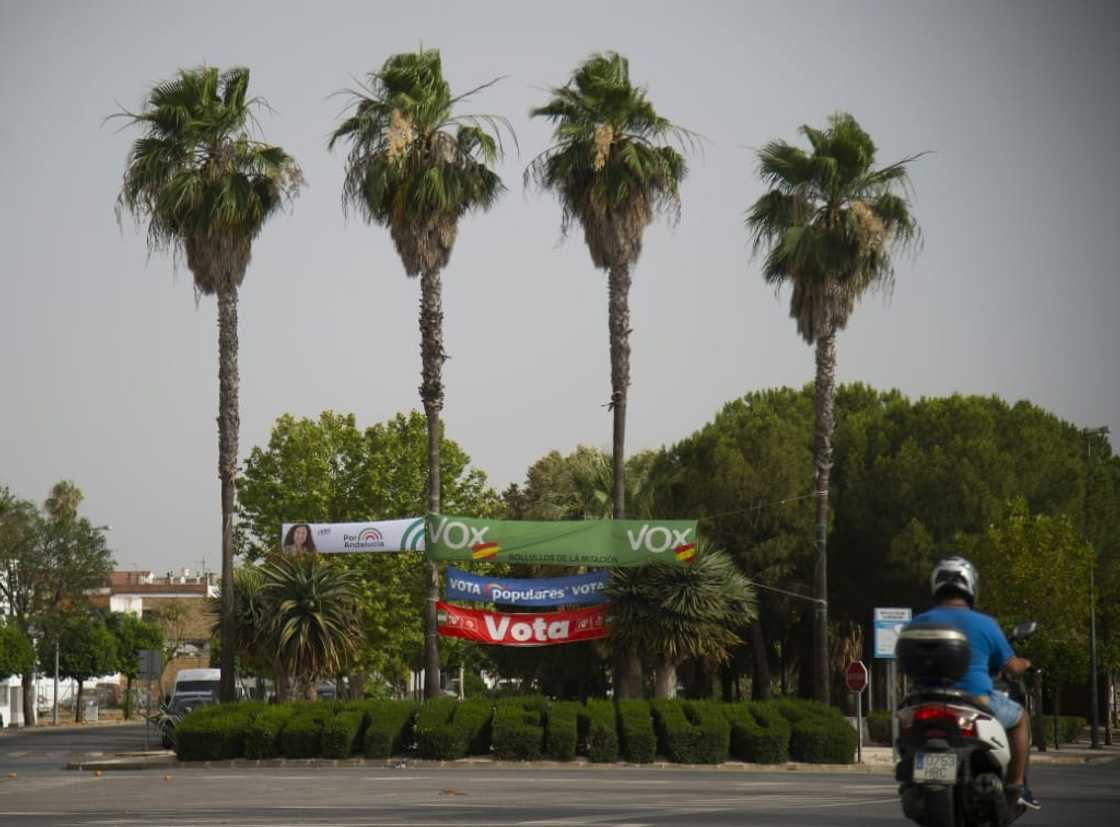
[1027,799]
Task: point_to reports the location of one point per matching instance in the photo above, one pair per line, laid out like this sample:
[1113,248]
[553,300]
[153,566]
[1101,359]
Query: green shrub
[342,733]
[213,733]
[636,737]
[879,726]
[262,737]
[302,734]
[598,731]
[473,720]
[820,733]
[561,729]
[389,731]
[759,733]
[447,730]
[691,732]
[1069,727]
[518,730]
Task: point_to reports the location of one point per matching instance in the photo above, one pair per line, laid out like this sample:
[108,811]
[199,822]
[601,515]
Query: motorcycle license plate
[935,767]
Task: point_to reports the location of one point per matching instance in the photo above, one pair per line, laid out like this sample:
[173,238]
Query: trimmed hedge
[526,728]
[820,734]
[598,731]
[302,735]
[1068,728]
[691,732]
[879,726]
[636,737]
[759,733]
[519,729]
[262,737]
[215,732]
[389,728]
[342,733]
[447,730]
[561,730]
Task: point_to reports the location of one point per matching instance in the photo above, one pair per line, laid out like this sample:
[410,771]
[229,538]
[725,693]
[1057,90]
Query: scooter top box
[933,652]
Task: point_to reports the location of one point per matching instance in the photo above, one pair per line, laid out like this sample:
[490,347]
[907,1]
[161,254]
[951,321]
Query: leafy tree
[829,225]
[416,168]
[132,635]
[673,613]
[312,608]
[50,559]
[205,186]
[17,654]
[86,649]
[329,470]
[613,173]
[746,475]
[1036,567]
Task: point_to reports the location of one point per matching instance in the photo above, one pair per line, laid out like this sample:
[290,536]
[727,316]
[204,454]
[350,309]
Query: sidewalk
[877,760]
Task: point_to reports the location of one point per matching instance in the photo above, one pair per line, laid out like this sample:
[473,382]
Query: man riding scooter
[955,585]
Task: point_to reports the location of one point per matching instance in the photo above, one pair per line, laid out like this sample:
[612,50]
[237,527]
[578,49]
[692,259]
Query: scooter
[953,752]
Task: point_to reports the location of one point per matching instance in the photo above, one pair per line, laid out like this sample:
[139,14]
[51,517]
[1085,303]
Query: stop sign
[856,676]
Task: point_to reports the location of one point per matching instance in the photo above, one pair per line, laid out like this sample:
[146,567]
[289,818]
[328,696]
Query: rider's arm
[1003,656]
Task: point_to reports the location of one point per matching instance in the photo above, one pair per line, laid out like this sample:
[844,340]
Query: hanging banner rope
[348,538]
[564,543]
[545,629]
[544,591]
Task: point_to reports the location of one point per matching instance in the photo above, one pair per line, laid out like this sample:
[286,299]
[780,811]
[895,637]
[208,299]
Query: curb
[39,729]
[169,760]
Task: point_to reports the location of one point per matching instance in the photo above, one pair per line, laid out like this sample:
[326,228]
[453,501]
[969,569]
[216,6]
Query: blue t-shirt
[990,649]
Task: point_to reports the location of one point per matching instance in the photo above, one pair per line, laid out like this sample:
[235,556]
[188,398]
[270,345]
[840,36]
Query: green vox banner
[562,543]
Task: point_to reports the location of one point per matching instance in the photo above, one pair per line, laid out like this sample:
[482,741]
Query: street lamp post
[1095,741]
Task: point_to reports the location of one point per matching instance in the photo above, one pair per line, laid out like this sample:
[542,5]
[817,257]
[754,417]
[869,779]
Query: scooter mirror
[1024,630]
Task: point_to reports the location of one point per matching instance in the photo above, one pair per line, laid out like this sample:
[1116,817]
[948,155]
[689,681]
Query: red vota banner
[529,629]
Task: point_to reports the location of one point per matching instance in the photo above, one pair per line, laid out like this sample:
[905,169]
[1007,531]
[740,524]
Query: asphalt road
[45,750]
[473,796]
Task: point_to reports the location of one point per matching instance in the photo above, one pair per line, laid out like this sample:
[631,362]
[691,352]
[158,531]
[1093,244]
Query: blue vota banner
[551,591]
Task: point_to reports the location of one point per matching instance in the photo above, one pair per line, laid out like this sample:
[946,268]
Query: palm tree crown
[610,166]
[671,613]
[414,166]
[204,185]
[314,625]
[830,221]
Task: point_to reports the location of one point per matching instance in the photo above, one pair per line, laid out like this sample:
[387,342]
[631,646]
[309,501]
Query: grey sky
[109,372]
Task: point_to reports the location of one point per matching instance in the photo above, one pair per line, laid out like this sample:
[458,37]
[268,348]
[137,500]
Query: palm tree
[613,173]
[313,623]
[251,641]
[416,168]
[205,187]
[828,225]
[674,613]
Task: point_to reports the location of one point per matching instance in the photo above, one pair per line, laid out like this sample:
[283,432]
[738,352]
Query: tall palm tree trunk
[822,460]
[618,286]
[431,393]
[627,663]
[229,423]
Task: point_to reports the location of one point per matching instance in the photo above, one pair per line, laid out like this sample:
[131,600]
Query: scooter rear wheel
[939,808]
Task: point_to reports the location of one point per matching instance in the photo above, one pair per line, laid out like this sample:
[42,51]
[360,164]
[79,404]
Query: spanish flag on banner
[484,551]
